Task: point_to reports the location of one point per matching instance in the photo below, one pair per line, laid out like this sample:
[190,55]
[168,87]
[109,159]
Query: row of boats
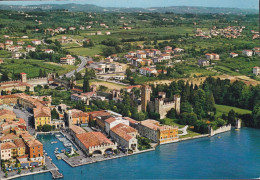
[64,140]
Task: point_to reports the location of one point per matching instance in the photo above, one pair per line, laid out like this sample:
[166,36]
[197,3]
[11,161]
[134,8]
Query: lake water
[235,154]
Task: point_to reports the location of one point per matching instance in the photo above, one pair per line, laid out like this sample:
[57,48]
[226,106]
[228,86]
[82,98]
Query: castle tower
[177,100]
[69,118]
[145,96]
[23,77]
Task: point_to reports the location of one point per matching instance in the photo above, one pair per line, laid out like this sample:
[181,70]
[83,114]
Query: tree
[232,117]
[4,76]
[86,86]
[171,114]
[54,114]
[40,73]
[46,128]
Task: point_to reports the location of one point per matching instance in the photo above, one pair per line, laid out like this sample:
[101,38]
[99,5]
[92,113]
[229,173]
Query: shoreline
[27,174]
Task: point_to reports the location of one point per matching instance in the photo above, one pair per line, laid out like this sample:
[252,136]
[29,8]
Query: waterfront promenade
[82,159]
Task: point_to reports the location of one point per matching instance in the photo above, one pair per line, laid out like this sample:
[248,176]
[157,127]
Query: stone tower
[145,96]
[69,118]
[23,77]
[177,100]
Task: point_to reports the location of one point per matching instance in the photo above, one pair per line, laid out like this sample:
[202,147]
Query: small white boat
[54,142]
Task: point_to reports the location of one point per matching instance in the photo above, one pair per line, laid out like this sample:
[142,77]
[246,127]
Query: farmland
[32,67]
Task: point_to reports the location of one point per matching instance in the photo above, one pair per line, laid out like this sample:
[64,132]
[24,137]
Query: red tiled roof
[33,143]
[8,145]
[77,129]
[123,131]
[110,120]
[91,139]
[19,142]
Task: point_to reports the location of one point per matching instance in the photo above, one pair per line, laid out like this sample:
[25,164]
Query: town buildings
[77,117]
[247,52]
[93,143]
[212,56]
[17,145]
[232,55]
[203,62]
[20,85]
[256,70]
[124,135]
[161,134]
[68,60]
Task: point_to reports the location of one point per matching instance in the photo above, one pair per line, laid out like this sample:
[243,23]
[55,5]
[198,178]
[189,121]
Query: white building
[256,70]
[147,71]
[36,42]
[113,121]
[232,55]
[247,52]
[125,136]
[68,60]
[30,48]
[141,55]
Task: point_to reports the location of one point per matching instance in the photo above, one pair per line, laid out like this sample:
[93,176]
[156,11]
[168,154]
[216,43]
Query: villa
[153,130]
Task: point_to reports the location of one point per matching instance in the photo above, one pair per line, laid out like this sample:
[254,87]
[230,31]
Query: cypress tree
[86,86]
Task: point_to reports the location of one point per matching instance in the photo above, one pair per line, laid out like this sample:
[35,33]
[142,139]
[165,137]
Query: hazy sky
[252,4]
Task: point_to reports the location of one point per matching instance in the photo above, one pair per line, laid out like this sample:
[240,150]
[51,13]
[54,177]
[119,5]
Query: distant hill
[93,8]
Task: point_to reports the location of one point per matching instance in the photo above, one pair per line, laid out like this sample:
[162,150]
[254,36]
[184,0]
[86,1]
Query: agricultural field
[223,109]
[32,67]
[99,83]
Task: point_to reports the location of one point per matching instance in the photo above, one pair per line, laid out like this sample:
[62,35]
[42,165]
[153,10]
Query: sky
[248,4]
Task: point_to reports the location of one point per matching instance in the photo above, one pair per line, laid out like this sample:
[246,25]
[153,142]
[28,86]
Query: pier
[56,174]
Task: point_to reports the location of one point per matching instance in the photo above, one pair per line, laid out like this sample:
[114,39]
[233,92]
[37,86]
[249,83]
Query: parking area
[27,116]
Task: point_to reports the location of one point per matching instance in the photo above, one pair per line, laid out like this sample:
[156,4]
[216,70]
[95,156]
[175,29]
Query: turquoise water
[230,155]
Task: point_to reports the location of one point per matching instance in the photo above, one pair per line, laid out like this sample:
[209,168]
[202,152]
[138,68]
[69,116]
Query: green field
[98,83]
[96,50]
[32,67]
[5,54]
[225,109]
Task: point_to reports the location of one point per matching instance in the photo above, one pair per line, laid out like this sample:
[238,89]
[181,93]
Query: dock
[56,174]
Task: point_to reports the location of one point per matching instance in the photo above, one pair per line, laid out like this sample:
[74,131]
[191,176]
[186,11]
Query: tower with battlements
[145,96]
[23,77]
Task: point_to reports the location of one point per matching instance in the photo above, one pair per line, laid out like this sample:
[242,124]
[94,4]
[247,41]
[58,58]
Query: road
[28,117]
[82,65]
[184,130]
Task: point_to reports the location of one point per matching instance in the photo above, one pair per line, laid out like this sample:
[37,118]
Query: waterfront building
[34,149]
[113,121]
[158,133]
[42,116]
[125,136]
[20,147]
[7,150]
[94,143]
[74,130]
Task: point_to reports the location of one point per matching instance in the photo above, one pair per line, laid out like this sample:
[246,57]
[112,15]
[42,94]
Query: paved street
[83,63]
[49,165]
[28,117]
